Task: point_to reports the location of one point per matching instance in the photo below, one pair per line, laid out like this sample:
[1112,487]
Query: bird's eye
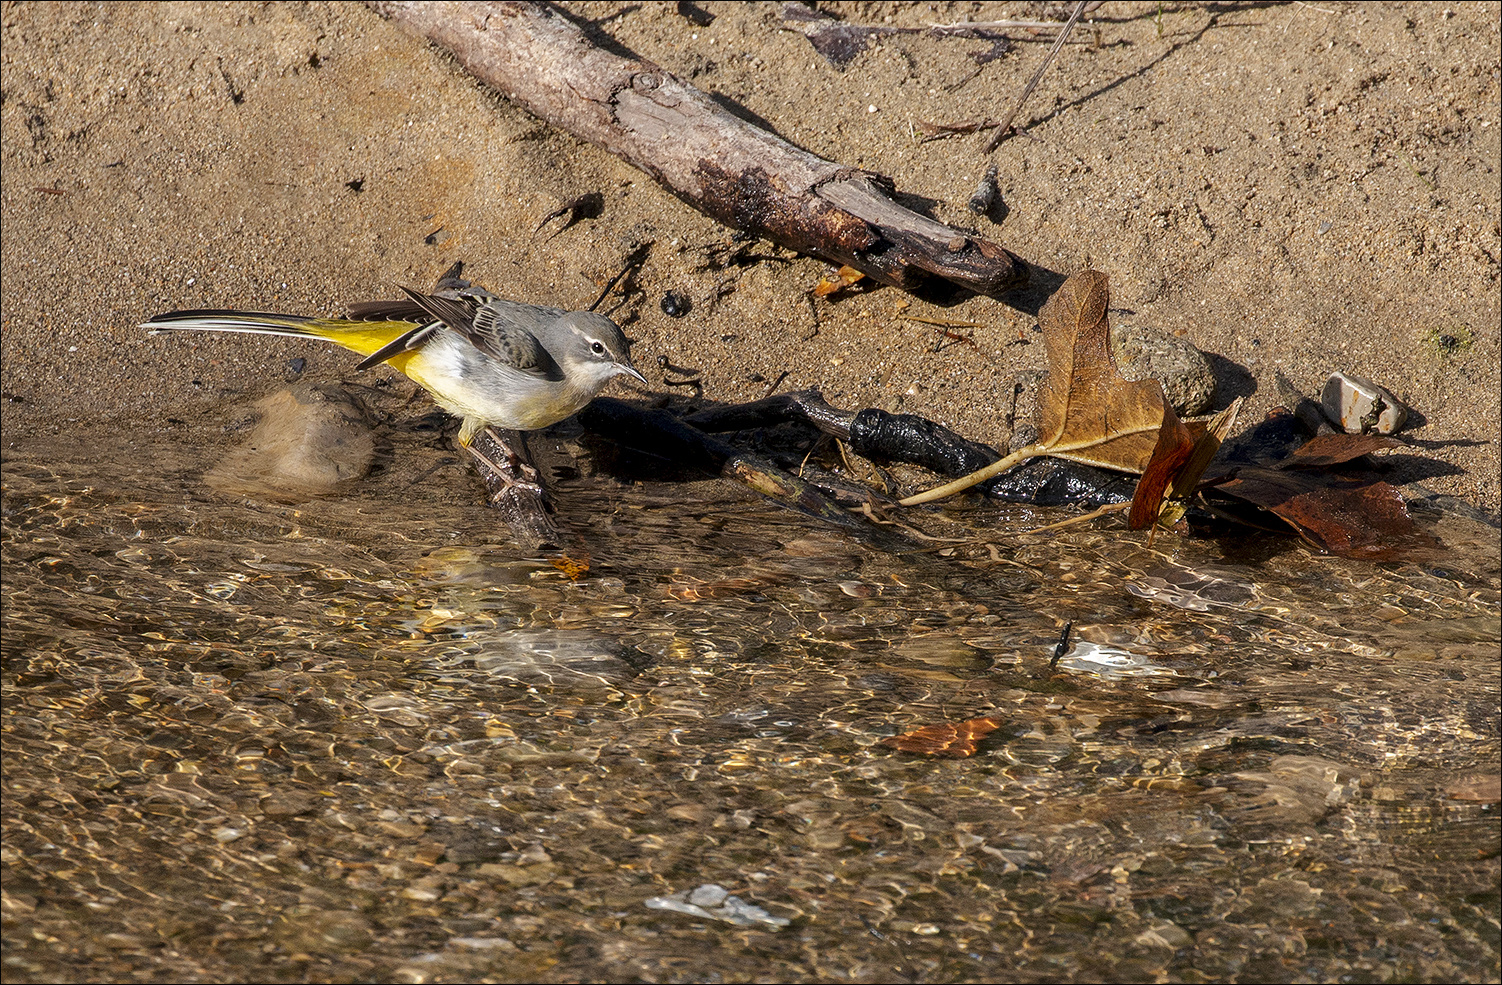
[597,347]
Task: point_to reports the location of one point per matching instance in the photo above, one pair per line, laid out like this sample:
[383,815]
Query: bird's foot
[516,476]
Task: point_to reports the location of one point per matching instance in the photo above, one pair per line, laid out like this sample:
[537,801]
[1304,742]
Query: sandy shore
[1296,188]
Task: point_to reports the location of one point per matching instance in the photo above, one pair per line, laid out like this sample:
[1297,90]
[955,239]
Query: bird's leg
[516,475]
[514,488]
[521,459]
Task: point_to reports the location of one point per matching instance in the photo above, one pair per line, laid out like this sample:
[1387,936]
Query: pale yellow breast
[470,385]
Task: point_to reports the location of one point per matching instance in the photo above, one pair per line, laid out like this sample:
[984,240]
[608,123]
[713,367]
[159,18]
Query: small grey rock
[1358,405]
[309,440]
[1187,378]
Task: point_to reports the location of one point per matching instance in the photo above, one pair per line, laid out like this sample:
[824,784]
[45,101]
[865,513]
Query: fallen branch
[727,168]
[880,436]
[804,405]
[659,433]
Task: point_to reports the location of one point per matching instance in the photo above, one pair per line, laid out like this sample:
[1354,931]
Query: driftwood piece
[659,433]
[880,436]
[870,433]
[729,169]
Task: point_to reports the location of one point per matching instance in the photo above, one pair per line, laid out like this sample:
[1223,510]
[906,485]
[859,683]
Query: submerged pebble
[714,902]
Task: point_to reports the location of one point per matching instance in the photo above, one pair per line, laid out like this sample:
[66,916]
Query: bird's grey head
[594,350]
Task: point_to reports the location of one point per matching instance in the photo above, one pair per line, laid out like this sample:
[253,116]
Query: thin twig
[775,384]
[1006,124]
[975,478]
[941,322]
[1106,510]
[994,26]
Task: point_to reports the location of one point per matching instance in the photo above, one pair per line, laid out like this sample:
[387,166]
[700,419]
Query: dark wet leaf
[1353,516]
[1334,449]
[947,741]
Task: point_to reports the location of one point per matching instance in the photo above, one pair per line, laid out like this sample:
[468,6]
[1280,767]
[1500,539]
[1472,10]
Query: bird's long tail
[364,337]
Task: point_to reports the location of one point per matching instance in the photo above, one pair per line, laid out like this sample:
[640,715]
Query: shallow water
[365,738]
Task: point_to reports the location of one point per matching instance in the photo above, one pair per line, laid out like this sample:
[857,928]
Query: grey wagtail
[491,362]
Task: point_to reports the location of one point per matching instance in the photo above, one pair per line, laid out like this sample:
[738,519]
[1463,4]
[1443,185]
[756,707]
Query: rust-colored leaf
[1148,502]
[948,740]
[1335,449]
[1365,521]
[1174,449]
[574,568]
[1088,412]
